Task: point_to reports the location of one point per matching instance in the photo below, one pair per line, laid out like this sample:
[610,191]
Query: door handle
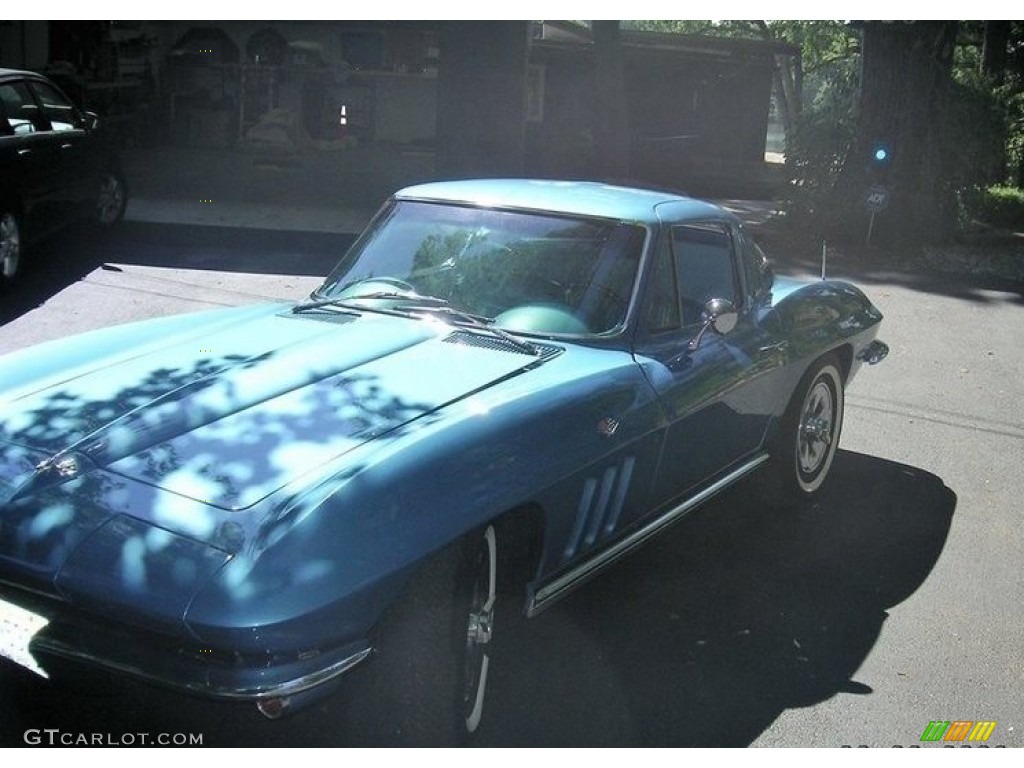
[69,145]
[779,346]
[24,151]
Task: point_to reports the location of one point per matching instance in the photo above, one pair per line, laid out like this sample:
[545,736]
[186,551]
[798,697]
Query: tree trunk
[612,111]
[787,87]
[905,83]
[993,66]
[993,50]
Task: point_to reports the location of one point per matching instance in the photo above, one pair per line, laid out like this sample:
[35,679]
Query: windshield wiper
[347,301]
[305,306]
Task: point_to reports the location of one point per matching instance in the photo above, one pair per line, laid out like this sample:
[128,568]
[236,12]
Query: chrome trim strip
[252,693]
[292,687]
[565,583]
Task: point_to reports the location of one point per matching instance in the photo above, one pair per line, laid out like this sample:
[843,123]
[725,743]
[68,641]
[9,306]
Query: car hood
[228,417]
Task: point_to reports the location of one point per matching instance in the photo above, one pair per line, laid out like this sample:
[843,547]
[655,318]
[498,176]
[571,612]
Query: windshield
[526,272]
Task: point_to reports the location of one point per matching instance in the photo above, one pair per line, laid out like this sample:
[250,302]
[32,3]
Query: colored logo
[958,730]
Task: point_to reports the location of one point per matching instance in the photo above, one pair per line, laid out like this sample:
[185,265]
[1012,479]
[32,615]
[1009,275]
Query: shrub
[997,206]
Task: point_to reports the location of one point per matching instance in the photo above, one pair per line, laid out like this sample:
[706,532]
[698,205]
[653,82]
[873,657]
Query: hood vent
[497,344]
[324,315]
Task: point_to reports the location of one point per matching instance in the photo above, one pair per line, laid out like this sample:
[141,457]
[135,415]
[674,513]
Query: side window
[662,306]
[754,267]
[56,108]
[704,267]
[21,109]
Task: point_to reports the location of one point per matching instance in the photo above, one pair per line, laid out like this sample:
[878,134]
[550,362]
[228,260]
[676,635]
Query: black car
[56,167]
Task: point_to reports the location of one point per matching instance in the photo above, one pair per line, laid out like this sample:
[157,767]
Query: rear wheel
[10,246]
[112,199]
[809,433]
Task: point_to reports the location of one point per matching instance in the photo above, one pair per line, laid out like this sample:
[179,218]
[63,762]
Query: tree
[944,100]
[993,51]
[904,98]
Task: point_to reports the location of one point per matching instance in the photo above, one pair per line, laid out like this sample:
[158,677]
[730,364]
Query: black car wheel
[10,246]
[809,432]
[112,199]
[428,684]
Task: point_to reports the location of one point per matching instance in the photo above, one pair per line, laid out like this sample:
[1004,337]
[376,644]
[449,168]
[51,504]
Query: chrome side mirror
[720,315]
[91,121]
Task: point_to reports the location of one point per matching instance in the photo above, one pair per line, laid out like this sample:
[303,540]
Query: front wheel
[482,580]
[428,685]
[809,432]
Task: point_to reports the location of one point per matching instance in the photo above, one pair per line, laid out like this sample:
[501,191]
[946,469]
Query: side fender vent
[600,505]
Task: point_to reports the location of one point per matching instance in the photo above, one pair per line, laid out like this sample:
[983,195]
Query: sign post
[876,200]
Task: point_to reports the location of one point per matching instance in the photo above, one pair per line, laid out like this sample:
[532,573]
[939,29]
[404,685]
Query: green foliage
[824,46]
[997,206]
[826,128]
[983,129]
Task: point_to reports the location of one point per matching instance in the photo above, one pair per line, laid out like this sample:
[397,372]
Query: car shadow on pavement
[701,638]
[706,635]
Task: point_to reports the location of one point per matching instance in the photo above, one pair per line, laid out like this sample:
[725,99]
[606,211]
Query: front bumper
[56,631]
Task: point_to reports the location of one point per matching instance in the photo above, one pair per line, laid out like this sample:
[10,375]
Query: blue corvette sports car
[503,387]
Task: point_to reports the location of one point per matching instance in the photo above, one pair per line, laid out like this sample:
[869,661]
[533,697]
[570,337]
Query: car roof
[7,75]
[18,73]
[584,198]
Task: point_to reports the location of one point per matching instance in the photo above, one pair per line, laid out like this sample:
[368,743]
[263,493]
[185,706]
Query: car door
[30,160]
[715,389]
[74,159]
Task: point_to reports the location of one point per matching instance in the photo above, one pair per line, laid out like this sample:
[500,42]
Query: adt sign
[876,199]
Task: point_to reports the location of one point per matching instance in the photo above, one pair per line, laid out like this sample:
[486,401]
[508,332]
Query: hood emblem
[607,426]
[65,467]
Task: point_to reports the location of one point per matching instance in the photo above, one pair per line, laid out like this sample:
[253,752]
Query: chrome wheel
[479,630]
[815,428]
[110,203]
[10,246]
[818,428]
